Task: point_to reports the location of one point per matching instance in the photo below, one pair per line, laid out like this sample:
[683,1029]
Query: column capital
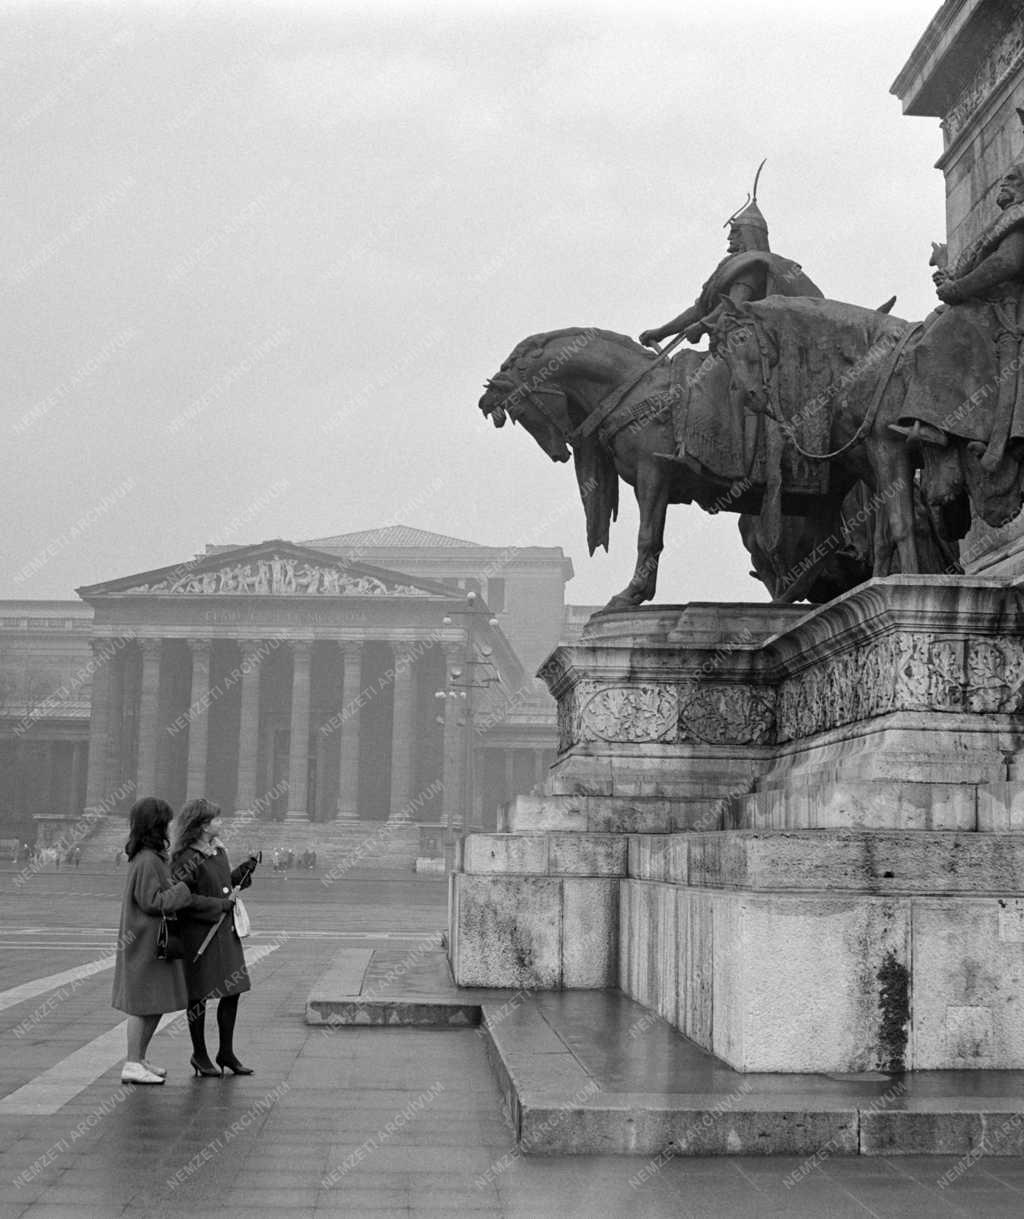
[252,649]
[200,647]
[350,647]
[302,647]
[150,647]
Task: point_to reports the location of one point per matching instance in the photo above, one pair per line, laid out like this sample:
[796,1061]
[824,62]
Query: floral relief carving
[722,714]
[629,713]
[995,675]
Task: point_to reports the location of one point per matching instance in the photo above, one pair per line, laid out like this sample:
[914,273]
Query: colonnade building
[381,676]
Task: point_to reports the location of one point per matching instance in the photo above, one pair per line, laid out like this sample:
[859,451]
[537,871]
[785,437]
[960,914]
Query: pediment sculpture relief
[280,576]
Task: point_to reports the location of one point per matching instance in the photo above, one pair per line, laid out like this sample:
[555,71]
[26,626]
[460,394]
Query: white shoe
[161,1071]
[139,1073]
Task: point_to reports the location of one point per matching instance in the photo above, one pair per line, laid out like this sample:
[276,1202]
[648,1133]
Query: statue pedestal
[797,835]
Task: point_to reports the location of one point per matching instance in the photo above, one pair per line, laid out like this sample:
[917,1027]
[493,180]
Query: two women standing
[145,986]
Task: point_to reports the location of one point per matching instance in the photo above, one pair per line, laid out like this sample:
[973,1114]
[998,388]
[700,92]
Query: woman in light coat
[145,988]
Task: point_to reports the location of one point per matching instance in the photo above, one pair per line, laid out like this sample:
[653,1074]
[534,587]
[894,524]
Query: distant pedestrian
[76,856]
[219,971]
[145,987]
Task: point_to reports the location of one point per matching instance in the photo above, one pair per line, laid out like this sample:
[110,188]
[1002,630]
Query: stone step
[595,1073]
[592,1072]
[875,804]
[545,854]
[609,814]
[393,987]
[876,862]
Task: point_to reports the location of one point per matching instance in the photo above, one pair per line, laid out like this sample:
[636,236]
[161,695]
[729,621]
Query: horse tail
[599,489]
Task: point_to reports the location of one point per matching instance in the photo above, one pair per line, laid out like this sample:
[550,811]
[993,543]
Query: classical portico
[282,682]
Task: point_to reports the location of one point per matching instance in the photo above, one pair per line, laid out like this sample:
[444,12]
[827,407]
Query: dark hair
[147,826]
[192,820]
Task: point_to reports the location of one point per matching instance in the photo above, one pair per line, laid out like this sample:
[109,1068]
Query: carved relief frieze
[1002,60]
[995,676]
[279,576]
[906,671]
[629,714]
[902,671]
[726,715]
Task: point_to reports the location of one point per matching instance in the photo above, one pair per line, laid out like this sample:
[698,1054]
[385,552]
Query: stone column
[348,750]
[298,751]
[249,725]
[199,719]
[97,787]
[118,743]
[149,703]
[403,735]
[77,752]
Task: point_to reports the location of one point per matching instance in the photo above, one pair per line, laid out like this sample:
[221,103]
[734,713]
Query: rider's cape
[783,277]
[955,370]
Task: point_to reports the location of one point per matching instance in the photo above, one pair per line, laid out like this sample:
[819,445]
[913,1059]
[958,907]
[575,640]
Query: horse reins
[594,420]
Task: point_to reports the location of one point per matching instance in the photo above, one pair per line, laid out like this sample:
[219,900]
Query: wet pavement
[348,1121]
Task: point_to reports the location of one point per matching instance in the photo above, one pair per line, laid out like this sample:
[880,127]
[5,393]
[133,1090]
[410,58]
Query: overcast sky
[258,258]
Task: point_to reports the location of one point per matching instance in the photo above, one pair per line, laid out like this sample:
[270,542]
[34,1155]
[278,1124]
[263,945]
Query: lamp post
[457,697]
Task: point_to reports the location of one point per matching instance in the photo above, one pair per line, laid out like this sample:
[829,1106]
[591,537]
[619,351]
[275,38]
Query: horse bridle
[597,419]
[529,392]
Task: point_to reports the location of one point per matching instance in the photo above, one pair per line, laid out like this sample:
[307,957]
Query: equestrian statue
[852,443]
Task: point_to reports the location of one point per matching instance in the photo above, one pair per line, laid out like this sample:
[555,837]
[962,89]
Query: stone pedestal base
[799,837]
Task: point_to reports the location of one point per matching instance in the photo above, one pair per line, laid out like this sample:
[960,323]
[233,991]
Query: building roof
[404,536]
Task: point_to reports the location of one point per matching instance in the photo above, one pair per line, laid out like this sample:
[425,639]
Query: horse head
[526,390]
[736,341]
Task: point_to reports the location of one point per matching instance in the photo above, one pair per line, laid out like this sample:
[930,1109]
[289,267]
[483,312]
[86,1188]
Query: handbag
[243,926]
[170,944]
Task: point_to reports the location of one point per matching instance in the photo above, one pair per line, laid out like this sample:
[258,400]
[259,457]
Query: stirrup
[919,433]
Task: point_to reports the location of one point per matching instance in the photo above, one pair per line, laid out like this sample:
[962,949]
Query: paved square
[351,1121]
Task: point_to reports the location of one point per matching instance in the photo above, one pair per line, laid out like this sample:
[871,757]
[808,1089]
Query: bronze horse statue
[608,402]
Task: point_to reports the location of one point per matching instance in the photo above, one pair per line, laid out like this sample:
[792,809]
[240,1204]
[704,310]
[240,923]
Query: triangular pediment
[268,569]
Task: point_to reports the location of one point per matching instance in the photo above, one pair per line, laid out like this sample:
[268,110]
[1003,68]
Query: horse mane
[528,350]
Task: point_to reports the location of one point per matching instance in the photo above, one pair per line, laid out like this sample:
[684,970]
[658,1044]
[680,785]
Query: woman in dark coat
[144,987]
[220,973]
